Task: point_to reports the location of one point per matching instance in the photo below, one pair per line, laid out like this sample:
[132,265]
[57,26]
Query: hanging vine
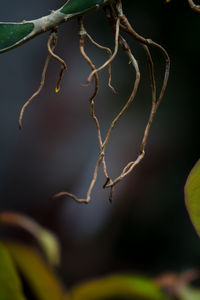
[119,24]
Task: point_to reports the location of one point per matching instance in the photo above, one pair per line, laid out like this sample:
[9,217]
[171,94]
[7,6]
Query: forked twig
[108,50]
[113,55]
[83,34]
[133,61]
[51,45]
[52,40]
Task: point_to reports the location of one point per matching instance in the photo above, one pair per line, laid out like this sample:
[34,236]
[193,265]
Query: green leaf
[11,34]
[10,285]
[192,196]
[15,34]
[40,277]
[50,245]
[77,6]
[118,286]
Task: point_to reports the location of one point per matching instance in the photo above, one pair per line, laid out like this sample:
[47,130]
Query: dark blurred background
[146,229]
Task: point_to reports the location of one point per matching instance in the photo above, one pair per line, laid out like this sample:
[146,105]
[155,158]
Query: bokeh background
[146,229]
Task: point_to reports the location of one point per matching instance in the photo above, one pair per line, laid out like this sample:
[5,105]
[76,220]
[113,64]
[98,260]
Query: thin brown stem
[155,102]
[151,71]
[83,33]
[113,55]
[130,165]
[194,6]
[108,50]
[101,159]
[88,196]
[145,42]
[154,105]
[63,64]
[133,93]
[133,61]
[51,44]
[128,28]
[88,60]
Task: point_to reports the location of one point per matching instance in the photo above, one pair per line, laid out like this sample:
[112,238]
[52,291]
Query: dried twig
[52,41]
[83,33]
[155,102]
[194,6]
[134,63]
[113,55]
[88,197]
[51,45]
[109,65]
[118,20]
[63,65]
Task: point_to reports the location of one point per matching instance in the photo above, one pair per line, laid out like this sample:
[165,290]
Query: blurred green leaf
[50,245]
[189,293]
[47,240]
[10,285]
[39,276]
[13,33]
[192,196]
[118,286]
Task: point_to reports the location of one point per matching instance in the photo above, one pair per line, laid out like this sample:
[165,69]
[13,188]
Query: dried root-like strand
[51,45]
[111,15]
[194,6]
[83,33]
[113,55]
[109,65]
[117,21]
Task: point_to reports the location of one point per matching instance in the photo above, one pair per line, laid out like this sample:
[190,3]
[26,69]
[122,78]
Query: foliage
[20,261]
[37,273]
[192,186]
[192,196]
[15,34]
[118,286]
[10,285]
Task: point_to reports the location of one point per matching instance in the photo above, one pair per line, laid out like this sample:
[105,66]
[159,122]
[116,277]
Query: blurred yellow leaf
[50,245]
[117,286]
[189,293]
[46,239]
[38,274]
[10,285]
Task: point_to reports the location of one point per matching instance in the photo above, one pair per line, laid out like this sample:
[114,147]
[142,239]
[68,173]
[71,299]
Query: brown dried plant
[119,24]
